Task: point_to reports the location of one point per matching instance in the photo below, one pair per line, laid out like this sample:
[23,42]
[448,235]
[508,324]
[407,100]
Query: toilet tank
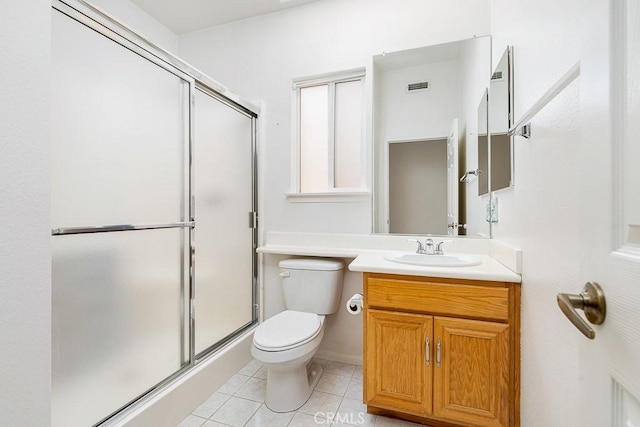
[312,285]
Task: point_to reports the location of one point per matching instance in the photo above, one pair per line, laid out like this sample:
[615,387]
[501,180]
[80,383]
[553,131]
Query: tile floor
[336,401]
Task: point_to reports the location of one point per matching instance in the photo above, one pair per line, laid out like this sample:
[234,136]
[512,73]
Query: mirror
[425,139]
[500,121]
[483,146]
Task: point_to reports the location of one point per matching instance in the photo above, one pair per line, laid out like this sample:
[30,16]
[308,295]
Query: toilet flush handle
[284,274]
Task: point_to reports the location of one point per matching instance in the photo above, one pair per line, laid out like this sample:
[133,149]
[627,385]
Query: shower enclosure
[153,216]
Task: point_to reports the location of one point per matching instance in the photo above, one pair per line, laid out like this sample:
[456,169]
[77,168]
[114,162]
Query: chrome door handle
[457,225]
[438,353]
[592,301]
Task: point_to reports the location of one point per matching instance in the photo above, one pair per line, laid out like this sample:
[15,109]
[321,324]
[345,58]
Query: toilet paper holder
[355,303]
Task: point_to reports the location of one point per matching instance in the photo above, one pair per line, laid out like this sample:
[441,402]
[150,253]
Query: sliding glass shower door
[119,163]
[153,185]
[223,238]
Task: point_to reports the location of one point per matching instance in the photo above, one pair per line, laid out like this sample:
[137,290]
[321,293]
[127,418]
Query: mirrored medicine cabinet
[434,152]
[495,113]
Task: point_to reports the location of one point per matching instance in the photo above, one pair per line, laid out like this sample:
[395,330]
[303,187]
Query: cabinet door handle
[438,353]
[427,357]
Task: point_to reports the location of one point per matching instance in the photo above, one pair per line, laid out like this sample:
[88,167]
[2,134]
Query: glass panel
[314,139]
[117,319]
[348,134]
[223,200]
[118,133]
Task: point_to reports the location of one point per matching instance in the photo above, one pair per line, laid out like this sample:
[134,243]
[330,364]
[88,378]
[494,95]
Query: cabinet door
[471,380]
[399,361]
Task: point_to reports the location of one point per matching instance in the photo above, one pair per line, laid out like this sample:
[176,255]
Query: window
[329,132]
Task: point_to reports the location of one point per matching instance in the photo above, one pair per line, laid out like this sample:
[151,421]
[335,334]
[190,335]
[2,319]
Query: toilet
[286,342]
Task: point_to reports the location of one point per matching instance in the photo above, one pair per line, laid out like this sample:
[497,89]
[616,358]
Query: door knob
[592,301]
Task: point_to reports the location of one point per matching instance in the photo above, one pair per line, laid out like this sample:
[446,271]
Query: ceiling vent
[497,75]
[418,86]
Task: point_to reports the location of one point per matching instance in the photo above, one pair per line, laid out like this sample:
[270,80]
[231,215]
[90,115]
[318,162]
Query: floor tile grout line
[252,415]
[342,395]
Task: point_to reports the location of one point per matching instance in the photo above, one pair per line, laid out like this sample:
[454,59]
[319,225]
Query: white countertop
[310,251]
[490,269]
[499,262]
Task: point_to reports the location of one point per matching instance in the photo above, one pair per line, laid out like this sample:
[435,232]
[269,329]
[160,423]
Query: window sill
[329,197]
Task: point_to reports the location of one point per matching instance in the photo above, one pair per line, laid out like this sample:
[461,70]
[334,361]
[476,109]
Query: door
[399,361]
[125,144]
[223,236]
[610,219]
[471,373]
[418,186]
[119,219]
[452,180]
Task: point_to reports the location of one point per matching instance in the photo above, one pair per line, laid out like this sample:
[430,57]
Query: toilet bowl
[286,342]
[291,377]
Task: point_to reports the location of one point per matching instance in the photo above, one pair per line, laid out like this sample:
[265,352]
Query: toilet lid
[287,329]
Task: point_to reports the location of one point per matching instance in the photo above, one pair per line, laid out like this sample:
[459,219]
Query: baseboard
[339,357]
[169,406]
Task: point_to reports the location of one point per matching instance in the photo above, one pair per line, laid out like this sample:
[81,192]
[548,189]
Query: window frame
[341,193]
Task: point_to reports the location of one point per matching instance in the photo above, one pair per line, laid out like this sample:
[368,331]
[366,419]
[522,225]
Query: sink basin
[435,260]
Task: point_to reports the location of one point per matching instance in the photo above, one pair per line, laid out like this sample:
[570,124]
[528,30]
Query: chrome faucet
[426,247]
[439,250]
[420,249]
[429,247]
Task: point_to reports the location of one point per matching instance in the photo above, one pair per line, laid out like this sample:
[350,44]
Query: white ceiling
[184,16]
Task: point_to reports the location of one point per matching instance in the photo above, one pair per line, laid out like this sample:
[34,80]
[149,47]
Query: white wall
[25,291]
[420,115]
[541,213]
[258,57]
[139,21]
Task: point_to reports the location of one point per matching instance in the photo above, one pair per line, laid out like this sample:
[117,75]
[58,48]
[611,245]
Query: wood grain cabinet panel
[471,383]
[399,367]
[452,299]
[456,369]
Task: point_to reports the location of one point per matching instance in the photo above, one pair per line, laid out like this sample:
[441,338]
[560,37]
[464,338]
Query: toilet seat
[287,330]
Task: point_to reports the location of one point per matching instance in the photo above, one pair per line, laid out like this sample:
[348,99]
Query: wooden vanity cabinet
[442,351]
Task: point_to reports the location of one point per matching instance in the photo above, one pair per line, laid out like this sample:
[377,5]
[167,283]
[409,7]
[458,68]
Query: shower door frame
[118,32]
[252,221]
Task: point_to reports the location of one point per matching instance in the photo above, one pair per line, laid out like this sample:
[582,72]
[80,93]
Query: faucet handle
[439,250]
[420,249]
